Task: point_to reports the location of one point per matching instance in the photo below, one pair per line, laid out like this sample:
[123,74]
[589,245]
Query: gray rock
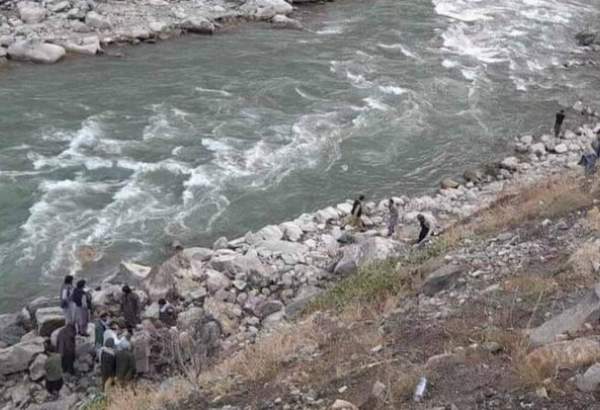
[473,175]
[216,281]
[268,307]
[303,298]
[61,404]
[587,310]
[48,320]
[201,254]
[60,7]
[174,277]
[291,231]
[221,243]
[290,252]
[35,52]
[586,38]
[17,358]
[441,279]
[510,163]
[590,380]
[97,21]
[248,266]
[190,318]
[30,12]
[11,330]
[19,394]
[270,233]
[366,251]
[538,149]
[561,148]
[284,22]
[449,183]
[91,46]
[198,25]
[37,369]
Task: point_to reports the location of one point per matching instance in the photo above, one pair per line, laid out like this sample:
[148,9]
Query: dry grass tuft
[147,397]
[585,262]
[528,286]
[592,219]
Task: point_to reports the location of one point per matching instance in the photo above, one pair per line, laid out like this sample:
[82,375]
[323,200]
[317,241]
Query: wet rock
[587,310]
[198,25]
[17,358]
[567,354]
[590,380]
[35,52]
[48,320]
[265,9]
[30,12]
[449,183]
[284,22]
[441,279]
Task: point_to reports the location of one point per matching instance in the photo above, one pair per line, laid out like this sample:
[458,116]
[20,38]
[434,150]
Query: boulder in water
[35,52]
[265,9]
[198,25]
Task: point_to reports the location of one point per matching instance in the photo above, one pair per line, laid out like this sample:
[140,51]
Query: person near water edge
[426,229]
[66,294]
[356,213]
[560,117]
[394,216]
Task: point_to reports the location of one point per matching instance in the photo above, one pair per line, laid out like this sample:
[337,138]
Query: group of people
[119,357]
[425,225]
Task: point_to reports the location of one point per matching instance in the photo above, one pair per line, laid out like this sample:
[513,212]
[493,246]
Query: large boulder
[291,231]
[284,22]
[567,354]
[366,251]
[11,330]
[225,313]
[590,380]
[30,12]
[190,318]
[35,52]
[243,266]
[17,358]
[265,9]
[198,25]
[216,281]
[97,21]
[175,277]
[291,252]
[37,369]
[303,298]
[441,279]
[48,320]
[587,310]
[270,233]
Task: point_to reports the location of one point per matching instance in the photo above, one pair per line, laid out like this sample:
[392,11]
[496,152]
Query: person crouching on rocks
[166,313]
[54,371]
[130,307]
[356,213]
[108,364]
[426,229]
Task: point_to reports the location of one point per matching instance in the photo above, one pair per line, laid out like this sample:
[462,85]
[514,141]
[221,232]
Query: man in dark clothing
[83,303]
[65,345]
[356,213]
[425,228]
[560,117]
[108,364]
[66,292]
[167,313]
[130,307]
[54,371]
[125,367]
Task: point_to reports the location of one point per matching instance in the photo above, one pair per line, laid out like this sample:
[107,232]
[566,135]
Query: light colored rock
[473,175]
[449,183]
[198,25]
[30,12]
[265,9]
[17,358]
[174,277]
[538,149]
[48,320]
[290,252]
[327,214]
[221,243]
[270,233]
[225,313]
[60,6]
[190,318]
[248,266]
[216,281]
[526,139]
[303,298]
[97,21]
[11,330]
[510,163]
[151,311]
[587,310]
[60,404]
[284,22]
[36,52]
[344,208]
[366,251]
[158,27]
[343,405]
[268,307]
[20,394]
[37,369]
[567,354]
[378,390]
[590,380]
[561,148]
[91,46]
[291,231]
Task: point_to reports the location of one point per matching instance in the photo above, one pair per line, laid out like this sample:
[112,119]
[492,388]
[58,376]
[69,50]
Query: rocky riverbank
[265,278]
[46,31]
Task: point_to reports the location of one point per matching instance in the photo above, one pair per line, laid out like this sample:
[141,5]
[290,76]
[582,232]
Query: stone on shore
[198,25]
[567,354]
[265,9]
[284,22]
[48,320]
[367,251]
[97,21]
[31,12]
[59,7]
[510,164]
[588,310]
[35,52]
[17,358]
[291,231]
[449,183]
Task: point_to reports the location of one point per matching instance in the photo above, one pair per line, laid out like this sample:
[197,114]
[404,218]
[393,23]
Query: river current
[200,137]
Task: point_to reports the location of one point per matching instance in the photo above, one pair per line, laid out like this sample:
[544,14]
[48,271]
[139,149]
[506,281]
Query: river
[200,137]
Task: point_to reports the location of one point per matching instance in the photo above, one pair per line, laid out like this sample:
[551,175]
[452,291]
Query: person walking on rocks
[167,313]
[83,304]
[394,216]
[130,307]
[560,117]
[426,229]
[65,345]
[356,213]
[66,293]
[108,364]
[54,371]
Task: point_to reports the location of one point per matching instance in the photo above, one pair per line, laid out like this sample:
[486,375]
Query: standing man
[560,117]
[65,345]
[394,215]
[66,294]
[357,209]
[130,307]
[82,301]
[425,228]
